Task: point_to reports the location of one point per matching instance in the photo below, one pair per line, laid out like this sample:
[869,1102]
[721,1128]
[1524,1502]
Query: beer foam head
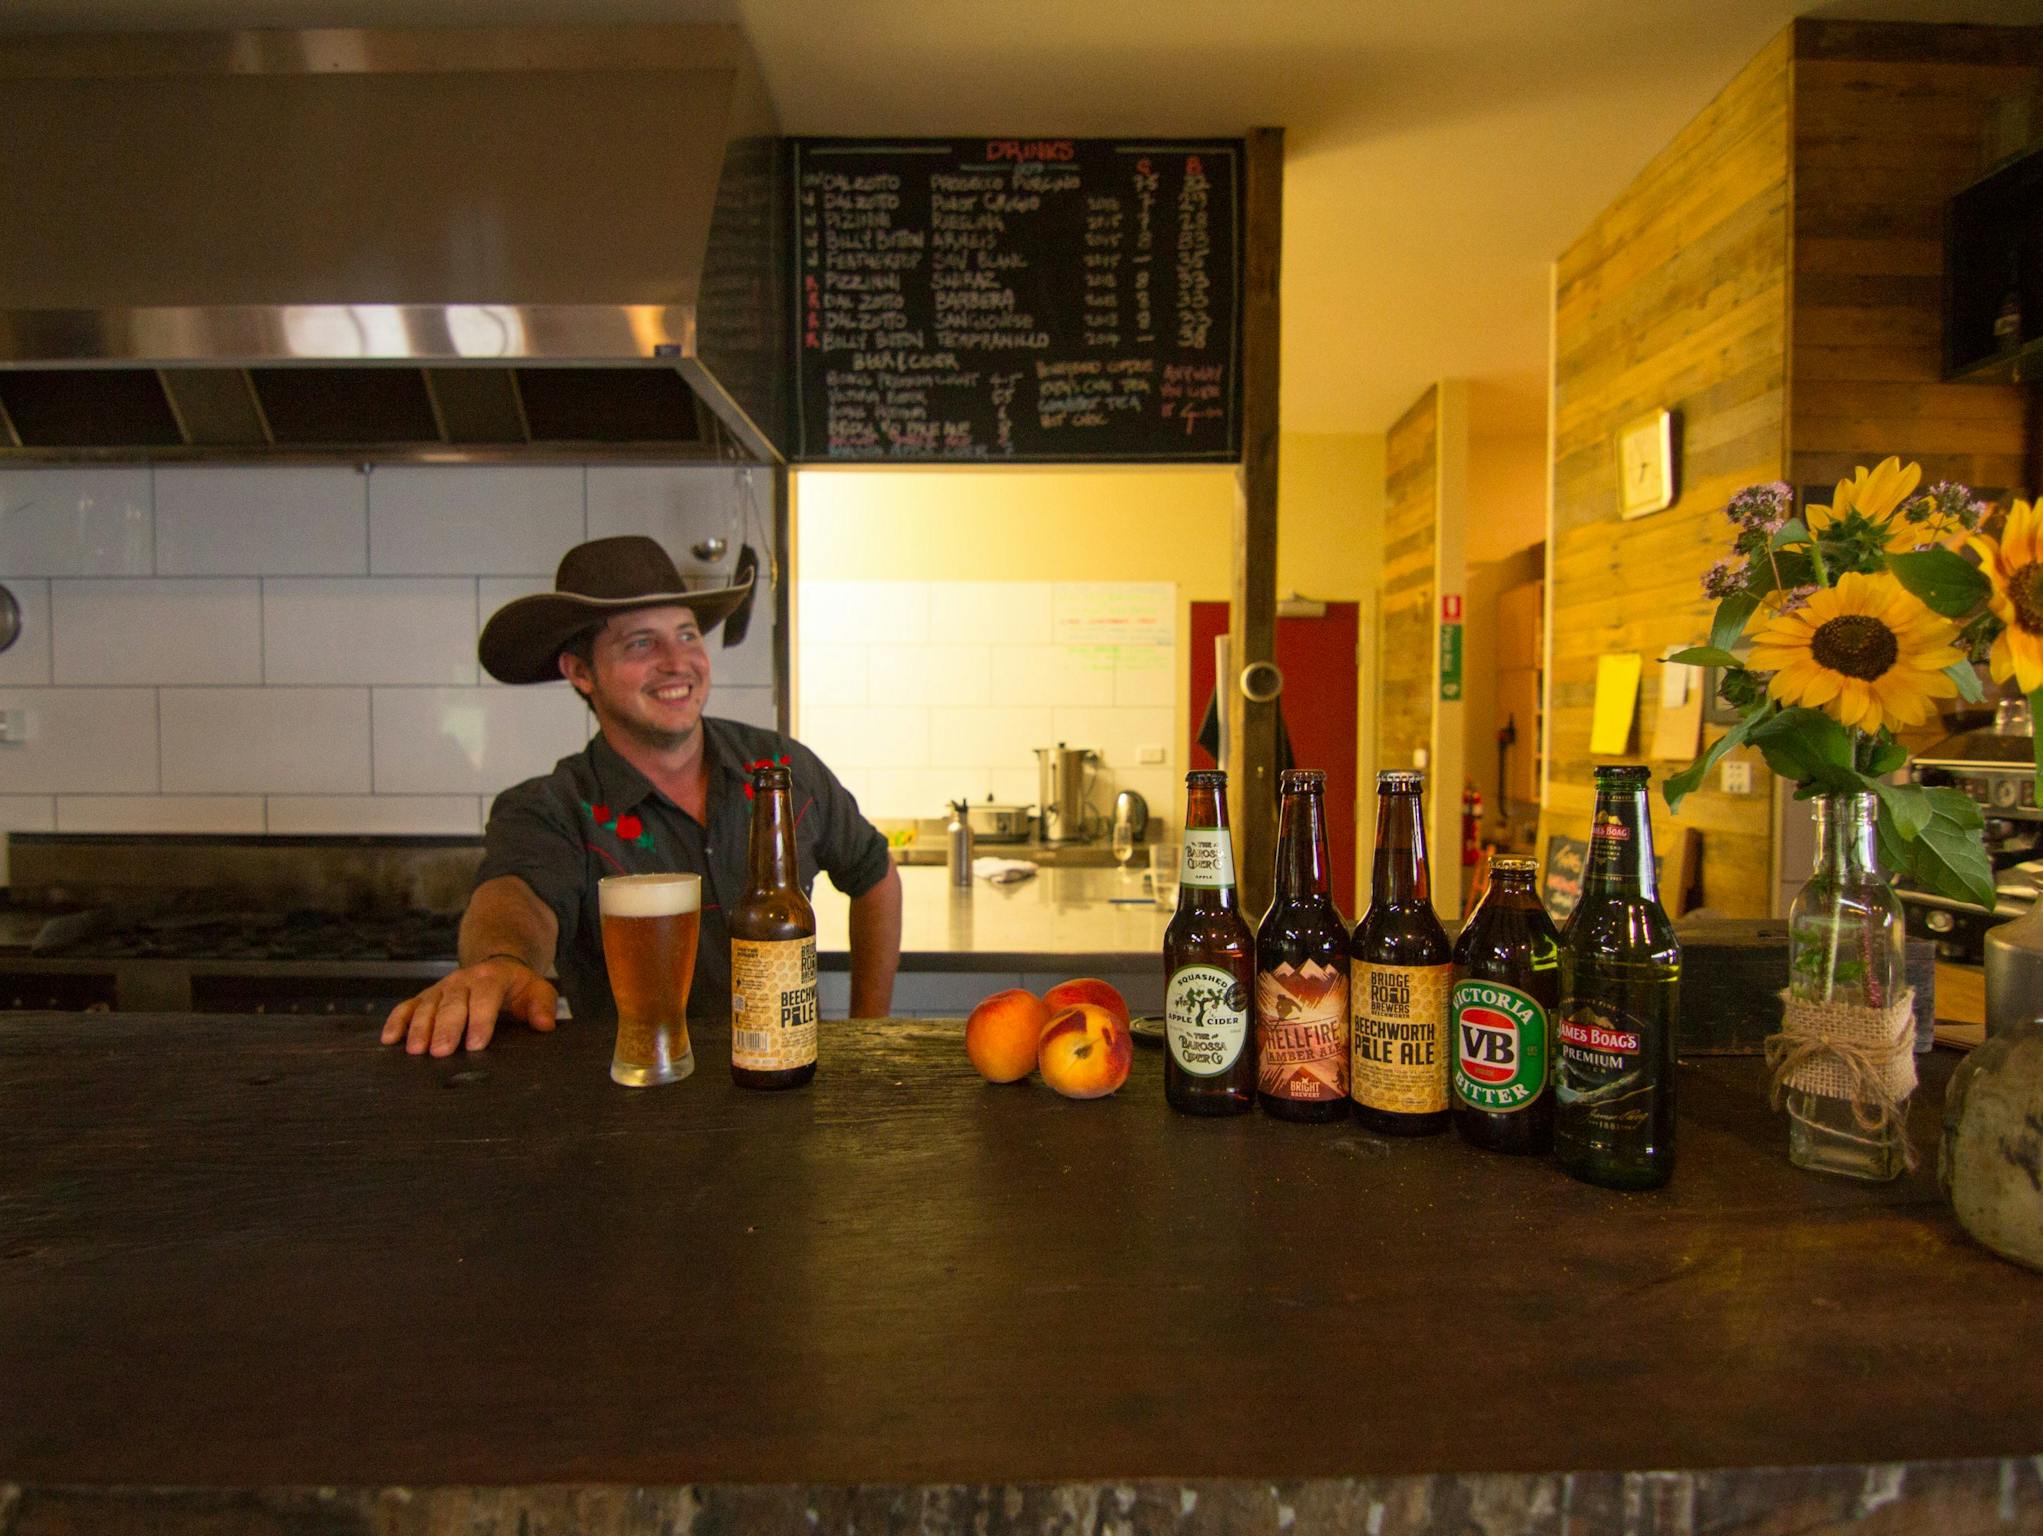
[649,895]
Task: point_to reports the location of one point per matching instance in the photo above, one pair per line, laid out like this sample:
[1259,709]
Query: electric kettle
[1064,779]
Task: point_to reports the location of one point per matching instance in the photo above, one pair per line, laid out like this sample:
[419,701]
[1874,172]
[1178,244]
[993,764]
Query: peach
[1086,1052]
[1002,1033]
[1087,989]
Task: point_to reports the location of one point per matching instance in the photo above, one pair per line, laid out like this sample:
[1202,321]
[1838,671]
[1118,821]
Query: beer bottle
[1209,964]
[1620,981]
[1302,967]
[1507,989]
[773,949]
[1397,1073]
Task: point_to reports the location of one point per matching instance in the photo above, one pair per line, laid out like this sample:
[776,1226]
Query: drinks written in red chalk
[1302,968]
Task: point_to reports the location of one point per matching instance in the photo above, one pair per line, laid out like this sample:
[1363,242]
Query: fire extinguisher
[1471,826]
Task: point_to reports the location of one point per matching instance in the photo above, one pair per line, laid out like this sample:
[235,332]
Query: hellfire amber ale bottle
[1507,989]
[1302,967]
[1620,994]
[1397,1072]
[773,949]
[1209,964]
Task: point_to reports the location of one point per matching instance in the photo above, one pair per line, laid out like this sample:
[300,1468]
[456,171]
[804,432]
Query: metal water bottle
[958,845]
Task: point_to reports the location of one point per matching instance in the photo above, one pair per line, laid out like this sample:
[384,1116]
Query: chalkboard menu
[1017,301]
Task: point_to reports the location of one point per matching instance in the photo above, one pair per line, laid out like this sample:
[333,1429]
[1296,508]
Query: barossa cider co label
[1500,1046]
[1208,858]
[773,1004]
[1302,1031]
[1399,1058]
[1205,1018]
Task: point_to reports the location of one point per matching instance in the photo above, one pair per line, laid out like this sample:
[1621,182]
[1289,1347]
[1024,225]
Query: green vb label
[1500,1046]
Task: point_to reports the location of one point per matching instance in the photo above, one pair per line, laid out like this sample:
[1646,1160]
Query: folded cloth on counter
[1003,871]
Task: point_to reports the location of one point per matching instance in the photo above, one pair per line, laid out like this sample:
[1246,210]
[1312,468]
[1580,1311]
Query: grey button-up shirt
[596,815]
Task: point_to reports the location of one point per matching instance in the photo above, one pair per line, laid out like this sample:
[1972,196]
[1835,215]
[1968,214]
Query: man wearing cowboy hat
[661,786]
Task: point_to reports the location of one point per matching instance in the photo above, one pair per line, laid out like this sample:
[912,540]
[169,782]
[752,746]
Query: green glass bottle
[1620,993]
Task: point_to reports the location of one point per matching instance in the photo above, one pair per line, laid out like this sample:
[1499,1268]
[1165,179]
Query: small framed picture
[1645,464]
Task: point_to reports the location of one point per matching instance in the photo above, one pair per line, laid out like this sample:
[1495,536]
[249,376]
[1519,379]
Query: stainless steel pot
[995,823]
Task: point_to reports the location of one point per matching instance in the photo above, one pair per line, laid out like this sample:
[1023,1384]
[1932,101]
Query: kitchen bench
[259,1274]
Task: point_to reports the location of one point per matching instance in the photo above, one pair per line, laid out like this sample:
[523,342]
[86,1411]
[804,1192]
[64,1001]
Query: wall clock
[1645,464]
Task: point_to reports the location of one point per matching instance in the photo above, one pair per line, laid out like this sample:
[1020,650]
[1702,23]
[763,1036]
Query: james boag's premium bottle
[773,950]
[1209,963]
[1302,967]
[1507,988]
[1620,993]
[1398,995]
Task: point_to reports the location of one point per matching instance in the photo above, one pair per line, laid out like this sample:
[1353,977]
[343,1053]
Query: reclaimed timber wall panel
[1406,660]
[1677,297]
[1889,122]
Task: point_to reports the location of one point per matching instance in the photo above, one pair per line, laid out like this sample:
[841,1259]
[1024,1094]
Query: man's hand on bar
[468,1002]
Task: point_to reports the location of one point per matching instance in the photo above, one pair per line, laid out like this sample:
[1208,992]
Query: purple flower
[1724,578]
[1945,508]
[1796,597]
[1762,508]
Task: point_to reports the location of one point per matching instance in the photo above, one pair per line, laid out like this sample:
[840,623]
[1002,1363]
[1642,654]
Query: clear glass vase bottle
[1846,948]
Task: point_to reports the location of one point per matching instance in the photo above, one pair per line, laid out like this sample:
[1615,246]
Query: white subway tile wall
[918,693]
[205,649]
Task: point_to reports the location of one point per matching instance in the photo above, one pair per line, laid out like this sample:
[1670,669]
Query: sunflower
[1875,494]
[2014,564]
[1866,652]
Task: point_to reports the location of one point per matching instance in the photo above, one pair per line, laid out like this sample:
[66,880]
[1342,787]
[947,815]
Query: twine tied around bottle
[1864,1056]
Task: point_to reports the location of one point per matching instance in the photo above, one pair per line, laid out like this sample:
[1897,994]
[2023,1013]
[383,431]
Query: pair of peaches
[1077,1033]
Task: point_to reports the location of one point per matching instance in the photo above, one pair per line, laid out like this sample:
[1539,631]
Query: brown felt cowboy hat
[521,643]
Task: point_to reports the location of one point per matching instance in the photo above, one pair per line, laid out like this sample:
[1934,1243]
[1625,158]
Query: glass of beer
[650,927]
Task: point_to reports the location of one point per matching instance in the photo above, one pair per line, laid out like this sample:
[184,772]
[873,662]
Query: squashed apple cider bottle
[1209,962]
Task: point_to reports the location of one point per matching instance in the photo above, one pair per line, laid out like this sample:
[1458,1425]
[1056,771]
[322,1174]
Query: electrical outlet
[1149,754]
[13,726]
[1737,778]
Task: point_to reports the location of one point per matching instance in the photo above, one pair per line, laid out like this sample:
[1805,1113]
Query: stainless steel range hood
[431,243]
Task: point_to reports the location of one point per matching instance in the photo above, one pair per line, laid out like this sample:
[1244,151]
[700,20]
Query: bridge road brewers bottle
[1620,981]
[1507,989]
[1209,963]
[773,949]
[1302,967]
[1397,998]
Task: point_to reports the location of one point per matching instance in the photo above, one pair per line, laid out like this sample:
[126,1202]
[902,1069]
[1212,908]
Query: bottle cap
[1206,778]
[1400,780]
[1514,864]
[1302,780]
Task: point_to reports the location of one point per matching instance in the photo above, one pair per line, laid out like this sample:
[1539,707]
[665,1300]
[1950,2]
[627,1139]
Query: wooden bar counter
[258,1274]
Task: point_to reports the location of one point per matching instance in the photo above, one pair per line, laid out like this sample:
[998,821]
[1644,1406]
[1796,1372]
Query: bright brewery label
[1303,1038]
[1601,1064]
[1208,859]
[1499,1046]
[1399,1057]
[773,1004]
[1206,1019]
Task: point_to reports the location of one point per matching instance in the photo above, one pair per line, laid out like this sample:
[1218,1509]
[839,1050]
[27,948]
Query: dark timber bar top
[262,1254]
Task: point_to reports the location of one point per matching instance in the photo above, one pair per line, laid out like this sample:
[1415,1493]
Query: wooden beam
[779,570]
[1252,729]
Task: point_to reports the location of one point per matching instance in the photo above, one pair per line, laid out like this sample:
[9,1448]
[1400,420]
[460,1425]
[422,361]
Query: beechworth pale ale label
[1500,1046]
[1398,1059]
[773,1004]
[1304,1032]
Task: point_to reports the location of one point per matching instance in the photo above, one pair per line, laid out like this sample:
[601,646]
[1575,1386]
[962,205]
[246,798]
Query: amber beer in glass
[773,949]
[1302,967]
[650,927]
[1209,964]
[1507,990]
[1397,997]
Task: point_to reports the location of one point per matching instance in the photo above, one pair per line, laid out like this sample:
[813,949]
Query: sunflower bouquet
[1862,615]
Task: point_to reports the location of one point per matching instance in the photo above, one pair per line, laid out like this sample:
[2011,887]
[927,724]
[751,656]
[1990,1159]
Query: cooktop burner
[269,936]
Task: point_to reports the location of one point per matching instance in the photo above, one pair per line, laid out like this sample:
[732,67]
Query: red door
[1321,691]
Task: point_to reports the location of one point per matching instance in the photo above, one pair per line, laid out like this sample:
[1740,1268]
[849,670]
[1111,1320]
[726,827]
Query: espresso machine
[1064,778]
[1994,764]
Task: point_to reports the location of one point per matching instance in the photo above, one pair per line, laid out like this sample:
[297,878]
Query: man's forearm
[505,918]
[875,948]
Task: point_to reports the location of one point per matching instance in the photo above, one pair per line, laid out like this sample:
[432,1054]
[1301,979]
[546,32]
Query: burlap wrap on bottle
[1863,1055]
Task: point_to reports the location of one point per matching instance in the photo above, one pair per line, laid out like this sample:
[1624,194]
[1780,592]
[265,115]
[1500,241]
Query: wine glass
[1124,844]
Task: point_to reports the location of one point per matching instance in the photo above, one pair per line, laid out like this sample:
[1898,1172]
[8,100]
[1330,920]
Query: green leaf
[1680,786]
[1887,756]
[1955,863]
[1793,531]
[1947,582]
[1907,804]
[1810,748]
[1729,623]
[1956,807]
[1962,673]
[1703,656]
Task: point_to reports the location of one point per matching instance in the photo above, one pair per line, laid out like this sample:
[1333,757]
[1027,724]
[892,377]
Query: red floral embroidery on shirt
[764,762]
[626,828]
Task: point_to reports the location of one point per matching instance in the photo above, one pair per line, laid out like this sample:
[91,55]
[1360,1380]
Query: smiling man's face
[647,675]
